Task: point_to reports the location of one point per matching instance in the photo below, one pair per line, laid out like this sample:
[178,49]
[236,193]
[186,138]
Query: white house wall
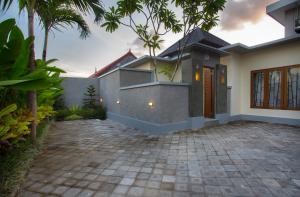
[234,77]
[161,77]
[239,74]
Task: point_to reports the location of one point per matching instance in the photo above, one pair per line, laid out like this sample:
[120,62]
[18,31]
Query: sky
[242,21]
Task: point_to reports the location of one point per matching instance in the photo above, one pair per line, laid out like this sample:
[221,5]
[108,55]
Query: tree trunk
[31,65]
[45,44]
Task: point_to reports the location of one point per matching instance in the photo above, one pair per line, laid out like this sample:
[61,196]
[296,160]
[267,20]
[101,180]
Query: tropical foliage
[16,79]
[55,15]
[32,6]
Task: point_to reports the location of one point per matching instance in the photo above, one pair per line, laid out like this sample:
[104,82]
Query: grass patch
[16,162]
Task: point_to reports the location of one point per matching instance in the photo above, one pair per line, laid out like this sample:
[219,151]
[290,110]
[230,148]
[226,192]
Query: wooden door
[208,93]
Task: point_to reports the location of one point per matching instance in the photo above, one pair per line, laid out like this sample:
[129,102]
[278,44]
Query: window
[259,89]
[276,88]
[294,88]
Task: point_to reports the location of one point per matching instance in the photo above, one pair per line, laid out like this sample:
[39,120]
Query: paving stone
[141,183]
[86,193]
[167,186]
[170,179]
[71,192]
[297,182]
[101,194]
[108,158]
[153,184]
[107,187]
[270,183]
[181,187]
[136,191]
[164,193]
[127,181]
[121,189]
[197,188]
[60,190]
[94,185]
[151,192]
[47,189]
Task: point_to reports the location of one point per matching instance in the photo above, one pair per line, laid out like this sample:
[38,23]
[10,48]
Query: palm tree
[55,14]
[85,6]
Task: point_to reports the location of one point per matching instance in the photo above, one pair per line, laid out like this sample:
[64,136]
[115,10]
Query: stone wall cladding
[74,89]
[170,103]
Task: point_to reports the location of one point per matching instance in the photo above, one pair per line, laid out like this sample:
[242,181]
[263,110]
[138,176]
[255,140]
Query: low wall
[169,102]
[110,83]
[130,77]
[110,91]
[74,89]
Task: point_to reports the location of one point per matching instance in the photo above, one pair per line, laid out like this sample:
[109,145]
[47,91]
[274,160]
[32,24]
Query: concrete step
[209,122]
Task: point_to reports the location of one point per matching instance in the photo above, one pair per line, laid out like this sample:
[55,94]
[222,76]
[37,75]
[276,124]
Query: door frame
[213,99]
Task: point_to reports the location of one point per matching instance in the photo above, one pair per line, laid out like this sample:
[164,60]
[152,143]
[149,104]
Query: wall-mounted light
[150,104]
[197,73]
[222,76]
[118,102]
[101,100]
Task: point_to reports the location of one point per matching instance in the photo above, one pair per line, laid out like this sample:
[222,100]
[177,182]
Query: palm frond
[55,14]
[5,4]
[88,6]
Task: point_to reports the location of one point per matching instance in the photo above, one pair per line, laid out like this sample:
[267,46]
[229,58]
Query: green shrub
[100,112]
[14,124]
[59,104]
[61,114]
[74,109]
[87,113]
[73,117]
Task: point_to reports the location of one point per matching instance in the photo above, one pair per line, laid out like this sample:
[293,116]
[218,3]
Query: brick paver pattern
[104,158]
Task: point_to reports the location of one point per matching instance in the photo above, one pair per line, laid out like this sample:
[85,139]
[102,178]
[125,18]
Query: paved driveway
[103,158]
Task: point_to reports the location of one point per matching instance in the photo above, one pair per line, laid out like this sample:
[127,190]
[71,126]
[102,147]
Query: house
[127,57]
[216,82]
[264,80]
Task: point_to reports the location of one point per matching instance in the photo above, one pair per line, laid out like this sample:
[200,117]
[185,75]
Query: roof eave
[276,10]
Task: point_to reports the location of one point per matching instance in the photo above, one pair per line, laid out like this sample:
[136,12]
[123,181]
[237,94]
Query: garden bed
[15,163]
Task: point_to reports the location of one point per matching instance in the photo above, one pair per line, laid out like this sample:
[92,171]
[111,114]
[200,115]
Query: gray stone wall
[110,91]
[170,102]
[130,77]
[74,89]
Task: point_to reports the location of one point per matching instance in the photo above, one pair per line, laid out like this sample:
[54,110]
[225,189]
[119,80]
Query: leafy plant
[44,111]
[90,101]
[31,6]
[73,117]
[167,70]
[75,109]
[59,104]
[62,114]
[14,123]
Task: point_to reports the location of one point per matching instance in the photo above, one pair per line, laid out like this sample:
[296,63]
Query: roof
[241,48]
[142,60]
[195,37]
[277,10]
[128,57]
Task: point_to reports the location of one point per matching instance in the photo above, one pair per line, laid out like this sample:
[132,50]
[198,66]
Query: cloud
[137,47]
[239,12]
